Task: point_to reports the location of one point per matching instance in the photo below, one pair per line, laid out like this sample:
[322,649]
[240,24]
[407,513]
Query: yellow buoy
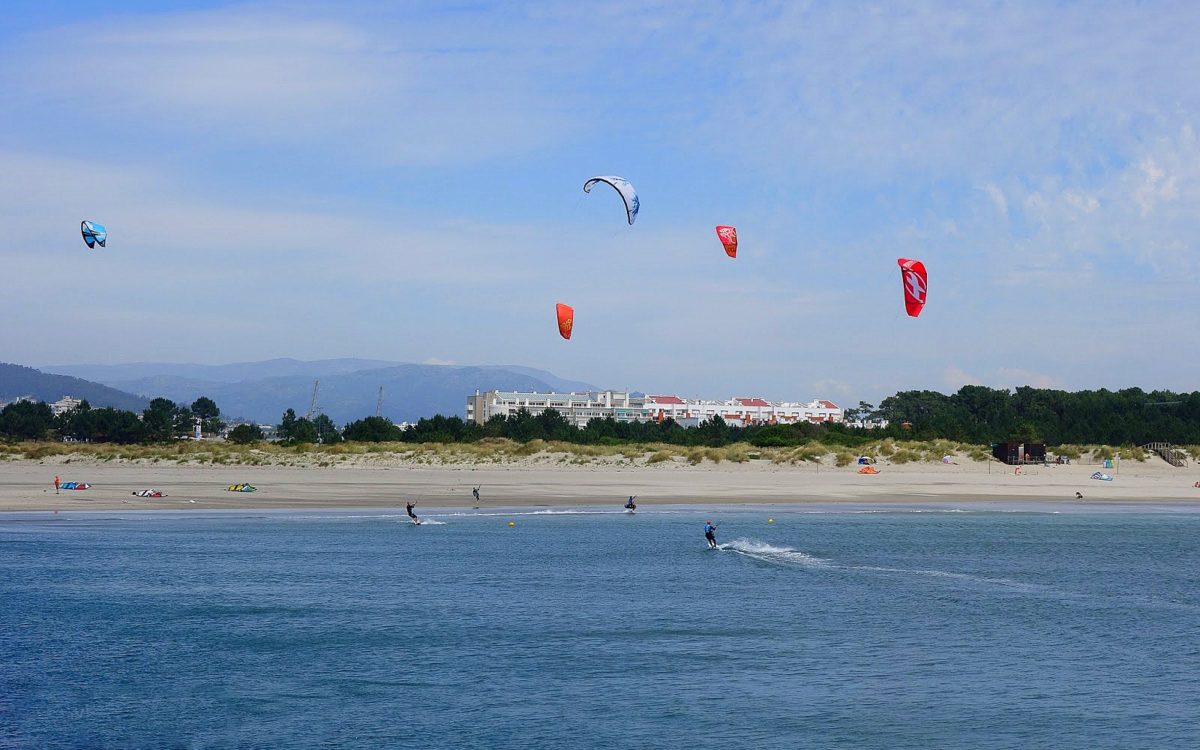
[512,523]
[770,520]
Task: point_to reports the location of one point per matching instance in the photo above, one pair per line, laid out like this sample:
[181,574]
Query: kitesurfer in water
[710,533]
[630,505]
[412,504]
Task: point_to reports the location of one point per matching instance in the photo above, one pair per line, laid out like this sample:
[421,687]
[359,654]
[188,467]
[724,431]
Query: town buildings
[622,406]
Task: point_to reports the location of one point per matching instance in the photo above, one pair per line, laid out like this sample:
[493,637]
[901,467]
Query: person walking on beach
[57,484]
[411,514]
[710,533]
[475,492]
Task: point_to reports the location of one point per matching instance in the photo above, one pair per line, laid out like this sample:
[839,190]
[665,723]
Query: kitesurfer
[412,504]
[475,492]
[710,533]
[630,505]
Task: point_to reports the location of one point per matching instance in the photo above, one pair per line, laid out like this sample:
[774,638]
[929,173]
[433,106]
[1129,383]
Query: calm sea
[922,627]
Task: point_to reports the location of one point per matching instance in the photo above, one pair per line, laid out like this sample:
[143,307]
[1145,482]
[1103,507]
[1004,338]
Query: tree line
[974,414]
[161,422]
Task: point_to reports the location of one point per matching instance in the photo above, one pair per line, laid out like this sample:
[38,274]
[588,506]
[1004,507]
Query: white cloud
[394,91]
[955,378]
[1081,201]
[1012,377]
[998,199]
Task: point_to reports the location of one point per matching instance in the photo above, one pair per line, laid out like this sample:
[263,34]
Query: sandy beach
[27,485]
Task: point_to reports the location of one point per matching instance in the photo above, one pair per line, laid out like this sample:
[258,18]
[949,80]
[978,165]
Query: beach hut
[1015,454]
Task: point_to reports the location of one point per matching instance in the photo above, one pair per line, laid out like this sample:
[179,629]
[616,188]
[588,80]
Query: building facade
[578,408]
[65,404]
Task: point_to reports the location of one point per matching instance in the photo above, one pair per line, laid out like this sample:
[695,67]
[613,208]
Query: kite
[916,285]
[566,319]
[622,186]
[93,233]
[728,237]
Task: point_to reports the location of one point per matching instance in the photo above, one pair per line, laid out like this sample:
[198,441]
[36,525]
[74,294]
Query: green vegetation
[245,433]
[980,415]
[924,426]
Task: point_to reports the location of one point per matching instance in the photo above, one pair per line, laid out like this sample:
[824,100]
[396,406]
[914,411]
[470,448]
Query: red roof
[666,400]
[827,404]
[751,402]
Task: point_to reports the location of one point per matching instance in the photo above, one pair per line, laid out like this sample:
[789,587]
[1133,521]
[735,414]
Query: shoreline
[27,485]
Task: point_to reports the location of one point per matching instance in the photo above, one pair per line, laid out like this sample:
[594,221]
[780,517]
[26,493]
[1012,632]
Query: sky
[403,181]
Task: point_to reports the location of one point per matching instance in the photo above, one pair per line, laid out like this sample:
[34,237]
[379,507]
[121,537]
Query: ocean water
[927,627]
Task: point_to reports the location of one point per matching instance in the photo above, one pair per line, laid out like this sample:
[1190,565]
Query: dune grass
[505,451]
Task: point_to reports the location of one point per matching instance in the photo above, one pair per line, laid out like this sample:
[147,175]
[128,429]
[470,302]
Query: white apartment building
[578,408]
[741,411]
[64,404]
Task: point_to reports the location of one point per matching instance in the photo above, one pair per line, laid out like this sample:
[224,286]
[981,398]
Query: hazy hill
[348,390]
[230,373]
[17,380]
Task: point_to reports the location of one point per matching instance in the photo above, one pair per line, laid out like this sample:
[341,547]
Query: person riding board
[710,533]
[630,505]
[412,504]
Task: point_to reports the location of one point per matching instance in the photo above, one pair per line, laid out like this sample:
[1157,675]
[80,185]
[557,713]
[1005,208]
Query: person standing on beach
[710,533]
[475,492]
[57,484]
[411,514]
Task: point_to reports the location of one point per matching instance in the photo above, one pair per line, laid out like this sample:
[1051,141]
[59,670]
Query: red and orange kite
[566,319]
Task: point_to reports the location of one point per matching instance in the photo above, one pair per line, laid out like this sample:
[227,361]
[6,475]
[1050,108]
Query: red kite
[916,285]
[566,319]
[728,237]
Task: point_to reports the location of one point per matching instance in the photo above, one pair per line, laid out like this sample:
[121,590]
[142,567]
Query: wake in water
[769,553]
[506,514]
[1007,583]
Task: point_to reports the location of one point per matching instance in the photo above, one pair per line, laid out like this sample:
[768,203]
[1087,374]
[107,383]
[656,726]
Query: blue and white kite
[622,186]
[93,233]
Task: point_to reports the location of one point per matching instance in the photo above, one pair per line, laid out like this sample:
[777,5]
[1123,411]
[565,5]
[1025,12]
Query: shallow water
[867,627]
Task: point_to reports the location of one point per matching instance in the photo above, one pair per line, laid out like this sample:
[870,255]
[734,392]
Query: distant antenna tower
[312,408]
[379,403]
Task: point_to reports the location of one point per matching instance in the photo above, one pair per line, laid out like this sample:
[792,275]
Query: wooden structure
[1020,453]
[1169,453]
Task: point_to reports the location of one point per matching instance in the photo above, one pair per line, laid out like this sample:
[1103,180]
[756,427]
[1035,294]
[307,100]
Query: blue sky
[403,181]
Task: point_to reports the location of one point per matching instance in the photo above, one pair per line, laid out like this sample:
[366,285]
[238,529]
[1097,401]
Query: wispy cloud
[350,178]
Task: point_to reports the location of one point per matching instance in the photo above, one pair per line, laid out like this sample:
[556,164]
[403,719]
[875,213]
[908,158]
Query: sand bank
[27,485]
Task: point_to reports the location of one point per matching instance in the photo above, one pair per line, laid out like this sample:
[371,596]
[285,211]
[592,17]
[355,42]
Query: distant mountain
[558,384]
[231,373]
[17,381]
[349,387]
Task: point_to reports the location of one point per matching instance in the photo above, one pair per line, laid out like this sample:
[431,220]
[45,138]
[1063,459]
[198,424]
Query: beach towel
[1102,476]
